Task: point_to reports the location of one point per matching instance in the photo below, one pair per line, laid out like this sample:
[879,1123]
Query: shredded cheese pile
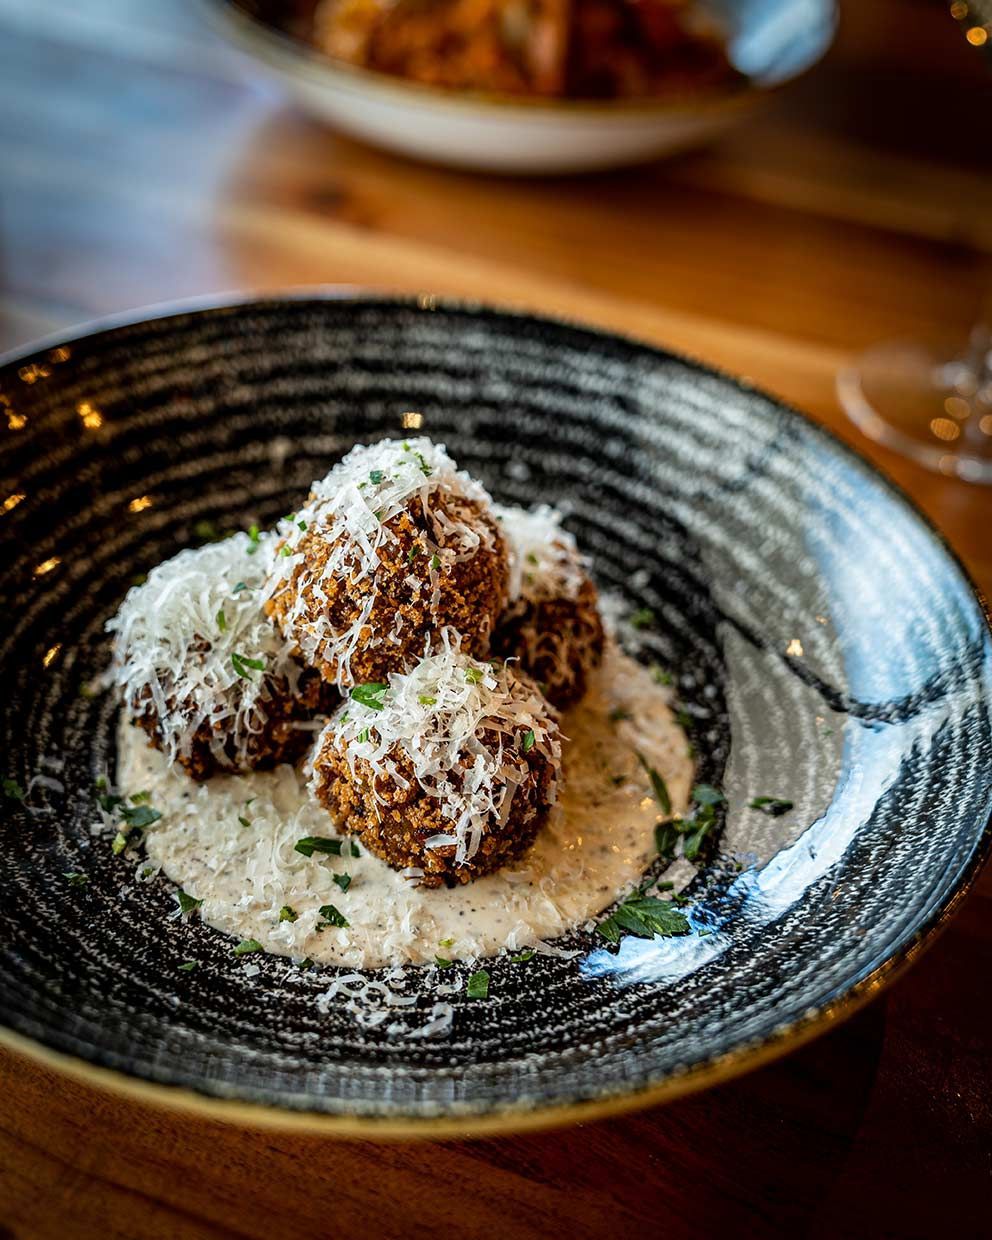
[433,717]
[544,560]
[350,511]
[189,639]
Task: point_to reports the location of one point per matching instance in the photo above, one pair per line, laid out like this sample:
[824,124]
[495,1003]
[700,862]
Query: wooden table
[141,160]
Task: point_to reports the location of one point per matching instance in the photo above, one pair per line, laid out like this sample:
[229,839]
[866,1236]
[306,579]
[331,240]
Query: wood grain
[142,160]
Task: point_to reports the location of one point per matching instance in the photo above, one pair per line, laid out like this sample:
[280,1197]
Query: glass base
[932,408]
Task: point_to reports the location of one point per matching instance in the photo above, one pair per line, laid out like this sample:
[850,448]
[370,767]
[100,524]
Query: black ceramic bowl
[830,651]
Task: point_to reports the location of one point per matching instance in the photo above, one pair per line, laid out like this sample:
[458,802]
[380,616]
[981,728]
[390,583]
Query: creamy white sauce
[599,841]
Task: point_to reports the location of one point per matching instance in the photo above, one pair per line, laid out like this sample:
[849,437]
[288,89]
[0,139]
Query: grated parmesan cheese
[544,559]
[180,637]
[439,720]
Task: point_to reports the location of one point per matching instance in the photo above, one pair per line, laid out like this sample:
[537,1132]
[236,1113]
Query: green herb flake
[773,806]
[658,786]
[13,790]
[425,469]
[100,783]
[306,963]
[666,839]
[245,822]
[247,946]
[442,962]
[187,904]
[243,665]
[370,695]
[478,985]
[426,700]
[363,736]
[706,794]
[302,525]
[119,844]
[254,534]
[343,881]
[222,621]
[75,879]
[522,957]
[239,587]
[645,917]
[659,675]
[319,844]
[446,943]
[528,741]
[474,675]
[376,476]
[286,550]
[412,554]
[643,618]
[532,558]
[188,966]
[435,562]
[109,801]
[140,798]
[288,914]
[139,815]
[332,917]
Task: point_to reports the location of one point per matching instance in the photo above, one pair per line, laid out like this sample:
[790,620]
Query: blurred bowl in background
[770,42]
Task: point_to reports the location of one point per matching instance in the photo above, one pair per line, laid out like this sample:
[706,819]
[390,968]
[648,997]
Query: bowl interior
[827,650]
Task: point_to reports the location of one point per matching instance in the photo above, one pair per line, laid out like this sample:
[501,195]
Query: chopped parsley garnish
[696,830]
[426,700]
[288,914]
[442,962]
[241,665]
[75,879]
[245,822]
[254,533]
[474,674]
[478,985]
[139,815]
[323,844]
[659,675]
[528,741]
[532,558]
[413,553]
[363,736]
[425,469]
[119,844]
[446,943]
[643,618]
[109,801]
[523,957]
[246,946]
[658,786]
[773,806]
[137,798]
[100,783]
[306,963]
[376,476]
[222,621]
[435,562]
[666,838]
[187,904]
[370,695]
[286,550]
[12,789]
[331,916]
[706,794]
[302,525]
[188,966]
[239,587]
[645,917]
[343,881]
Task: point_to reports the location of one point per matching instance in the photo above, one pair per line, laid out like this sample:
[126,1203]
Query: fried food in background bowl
[531,86]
